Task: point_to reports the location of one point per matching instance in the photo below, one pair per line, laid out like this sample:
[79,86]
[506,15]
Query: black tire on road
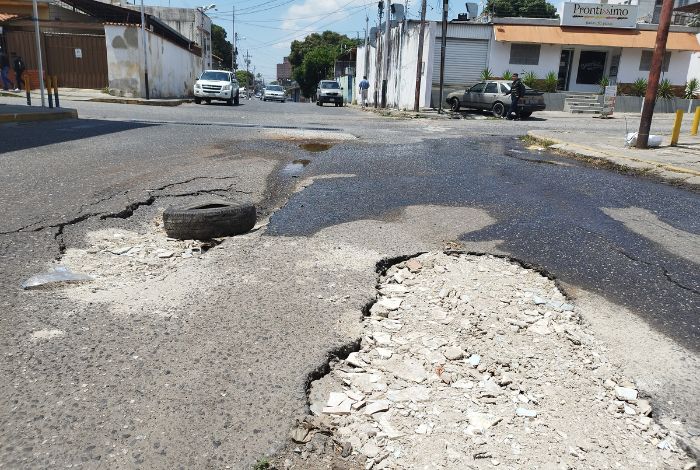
[498,109]
[209,219]
[454,105]
[525,114]
[237,99]
[198,101]
[229,101]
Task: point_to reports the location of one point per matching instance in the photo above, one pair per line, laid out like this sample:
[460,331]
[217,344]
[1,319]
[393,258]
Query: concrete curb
[155,102]
[669,172]
[39,116]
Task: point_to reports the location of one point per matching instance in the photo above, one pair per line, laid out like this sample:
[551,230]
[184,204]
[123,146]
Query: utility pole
[419,62]
[387,45]
[247,68]
[377,71]
[37,38]
[443,45]
[233,41]
[366,46]
[145,50]
[654,74]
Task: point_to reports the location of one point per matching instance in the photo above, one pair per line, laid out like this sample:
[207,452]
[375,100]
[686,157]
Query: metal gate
[464,61]
[78,60]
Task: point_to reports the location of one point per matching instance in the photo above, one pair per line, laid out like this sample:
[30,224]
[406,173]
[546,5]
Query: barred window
[525,54]
[645,63]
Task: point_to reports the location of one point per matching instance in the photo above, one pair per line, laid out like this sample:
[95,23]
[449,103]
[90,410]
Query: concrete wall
[172,70]
[499,58]
[678,70]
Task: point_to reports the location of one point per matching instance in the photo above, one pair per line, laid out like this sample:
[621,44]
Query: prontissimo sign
[599,15]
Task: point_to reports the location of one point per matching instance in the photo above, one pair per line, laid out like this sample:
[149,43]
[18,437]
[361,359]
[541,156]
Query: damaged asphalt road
[203,362]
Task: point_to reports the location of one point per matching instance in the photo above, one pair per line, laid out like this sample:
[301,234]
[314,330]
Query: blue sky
[267,27]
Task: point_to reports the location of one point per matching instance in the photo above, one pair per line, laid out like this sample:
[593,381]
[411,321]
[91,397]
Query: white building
[591,41]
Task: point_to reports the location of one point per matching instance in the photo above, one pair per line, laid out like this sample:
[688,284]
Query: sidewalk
[17,113]
[675,164]
[81,94]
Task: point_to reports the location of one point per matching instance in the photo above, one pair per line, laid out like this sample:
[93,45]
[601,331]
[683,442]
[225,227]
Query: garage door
[464,61]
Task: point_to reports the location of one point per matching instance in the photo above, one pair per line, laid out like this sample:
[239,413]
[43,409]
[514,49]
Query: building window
[645,63]
[524,54]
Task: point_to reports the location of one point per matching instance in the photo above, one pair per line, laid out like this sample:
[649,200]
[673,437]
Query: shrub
[486,74]
[639,87]
[550,82]
[665,90]
[530,79]
[691,89]
[605,81]
[507,75]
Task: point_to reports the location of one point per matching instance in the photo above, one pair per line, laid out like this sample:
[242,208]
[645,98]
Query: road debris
[447,379]
[56,275]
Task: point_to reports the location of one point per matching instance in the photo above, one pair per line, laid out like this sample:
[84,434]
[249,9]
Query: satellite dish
[472,9]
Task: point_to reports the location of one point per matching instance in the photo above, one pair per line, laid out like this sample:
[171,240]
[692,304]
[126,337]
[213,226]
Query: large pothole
[474,362]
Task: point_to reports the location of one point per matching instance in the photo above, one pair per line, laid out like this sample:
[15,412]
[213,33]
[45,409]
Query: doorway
[591,67]
[565,60]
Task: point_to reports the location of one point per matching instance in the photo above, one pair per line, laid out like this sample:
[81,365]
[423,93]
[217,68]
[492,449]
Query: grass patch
[262,464]
[534,141]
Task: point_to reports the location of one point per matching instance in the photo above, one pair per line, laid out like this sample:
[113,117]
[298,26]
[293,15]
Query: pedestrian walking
[19,67]
[4,70]
[517,90]
[364,90]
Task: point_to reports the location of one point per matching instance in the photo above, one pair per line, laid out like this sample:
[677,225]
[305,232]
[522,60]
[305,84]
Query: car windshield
[333,85]
[275,88]
[216,76]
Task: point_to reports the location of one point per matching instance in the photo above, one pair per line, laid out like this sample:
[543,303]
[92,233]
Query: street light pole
[145,49]
[37,37]
[419,62]
[233,40]
[443,44]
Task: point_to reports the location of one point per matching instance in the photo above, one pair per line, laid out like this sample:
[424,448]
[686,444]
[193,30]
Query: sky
[266,28]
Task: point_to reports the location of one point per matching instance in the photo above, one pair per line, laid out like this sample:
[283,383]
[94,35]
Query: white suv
[216,85]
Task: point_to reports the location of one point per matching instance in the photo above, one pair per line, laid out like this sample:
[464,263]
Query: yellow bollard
[676,127]
[696,121]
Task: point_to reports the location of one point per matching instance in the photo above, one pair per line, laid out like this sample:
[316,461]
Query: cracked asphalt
[221,380]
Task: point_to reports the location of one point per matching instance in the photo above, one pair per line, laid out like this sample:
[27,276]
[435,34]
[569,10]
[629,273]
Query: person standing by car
[19,67]
[517,90]
[364,90]
[4,69]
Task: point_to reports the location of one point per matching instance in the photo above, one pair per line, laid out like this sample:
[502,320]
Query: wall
[499,58]
[172,70]
[678,70]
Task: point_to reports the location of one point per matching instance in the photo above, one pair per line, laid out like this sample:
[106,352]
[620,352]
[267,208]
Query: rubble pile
[476,362]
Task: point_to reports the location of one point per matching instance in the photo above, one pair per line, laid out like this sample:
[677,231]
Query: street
[204,361]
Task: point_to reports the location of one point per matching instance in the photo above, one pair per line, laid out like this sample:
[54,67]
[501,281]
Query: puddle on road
[296,167]
[316,146]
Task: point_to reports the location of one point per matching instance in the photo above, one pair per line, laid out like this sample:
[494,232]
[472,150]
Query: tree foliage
[524,8]
[244,78]
[313,59]
[220,47]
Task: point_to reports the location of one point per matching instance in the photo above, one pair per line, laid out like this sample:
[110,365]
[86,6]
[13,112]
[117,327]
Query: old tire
[454,105]
[498,109]
[198,101]
[209,219]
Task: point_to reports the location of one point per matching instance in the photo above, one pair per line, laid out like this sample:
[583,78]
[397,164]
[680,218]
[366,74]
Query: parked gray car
[491,96]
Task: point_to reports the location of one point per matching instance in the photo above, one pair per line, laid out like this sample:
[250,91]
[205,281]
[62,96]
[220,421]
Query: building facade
[581,48]
[284,70]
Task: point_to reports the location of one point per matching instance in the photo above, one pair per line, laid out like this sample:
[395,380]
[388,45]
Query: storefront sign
[599,15]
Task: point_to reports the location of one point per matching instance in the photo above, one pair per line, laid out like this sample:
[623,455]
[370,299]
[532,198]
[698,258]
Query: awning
[692,8]
[600,37]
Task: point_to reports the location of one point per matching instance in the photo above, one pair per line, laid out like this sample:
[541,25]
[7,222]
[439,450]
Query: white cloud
[310,15]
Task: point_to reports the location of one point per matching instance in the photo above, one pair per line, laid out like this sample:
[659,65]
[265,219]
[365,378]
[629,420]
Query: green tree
[524,8]
[313,59]
[244,78]
[220,47]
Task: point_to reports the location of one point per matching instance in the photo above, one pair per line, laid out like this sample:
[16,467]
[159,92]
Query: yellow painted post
[696,121]
[677,127]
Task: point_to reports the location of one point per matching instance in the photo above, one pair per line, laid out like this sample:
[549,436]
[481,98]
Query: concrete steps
[583,103]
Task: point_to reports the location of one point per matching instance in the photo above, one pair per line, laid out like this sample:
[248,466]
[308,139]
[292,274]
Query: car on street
[329,91]
[274,93]
[217,85]
[491,96]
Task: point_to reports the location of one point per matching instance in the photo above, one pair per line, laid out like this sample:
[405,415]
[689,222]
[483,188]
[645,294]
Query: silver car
[491,96]
[274,93]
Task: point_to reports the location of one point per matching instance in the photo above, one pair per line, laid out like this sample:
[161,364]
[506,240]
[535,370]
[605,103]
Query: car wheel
[229,101]
[498,109]
[198,101]
[209,219]
[454,105]
[525,114]
[237,100]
